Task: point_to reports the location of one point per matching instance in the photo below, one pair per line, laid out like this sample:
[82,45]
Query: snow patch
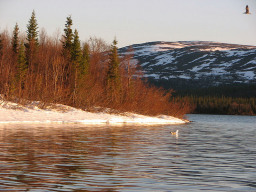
[198,68]
[218,71]
[171,46]
[164,59]
[16,113]
[212,49]
[198,58]
[247,74]
[149,49]
[235,52]
[155,76]
[184,77]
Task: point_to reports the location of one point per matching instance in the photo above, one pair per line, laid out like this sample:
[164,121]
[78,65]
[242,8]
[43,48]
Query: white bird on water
[175,133]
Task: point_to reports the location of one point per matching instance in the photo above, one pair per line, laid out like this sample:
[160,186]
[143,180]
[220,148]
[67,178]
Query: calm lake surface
[212,153]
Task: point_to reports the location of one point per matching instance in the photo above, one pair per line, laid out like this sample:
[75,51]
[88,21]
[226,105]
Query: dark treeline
[237,99]
[220,105]
[184,87]
[229,99]
[86,75]
[241,90]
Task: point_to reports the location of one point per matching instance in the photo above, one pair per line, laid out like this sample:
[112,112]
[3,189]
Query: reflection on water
[214,153]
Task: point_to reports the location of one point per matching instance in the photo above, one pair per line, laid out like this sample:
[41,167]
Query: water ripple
[210,154]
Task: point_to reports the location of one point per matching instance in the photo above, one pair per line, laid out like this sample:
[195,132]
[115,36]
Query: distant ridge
[201,63]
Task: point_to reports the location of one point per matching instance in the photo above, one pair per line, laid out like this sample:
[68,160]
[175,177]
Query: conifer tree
[76,56]
[32,38]
[76,53]
[85,61]
[32,29]
[113,76]
[15,39]
[68,37]
[67,44]
[22,67]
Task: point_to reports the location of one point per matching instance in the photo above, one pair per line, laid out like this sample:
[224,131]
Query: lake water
[212,153]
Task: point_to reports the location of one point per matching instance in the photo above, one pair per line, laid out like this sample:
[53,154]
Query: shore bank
[11,113]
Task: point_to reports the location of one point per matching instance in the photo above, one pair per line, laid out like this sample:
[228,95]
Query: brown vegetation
[47,71]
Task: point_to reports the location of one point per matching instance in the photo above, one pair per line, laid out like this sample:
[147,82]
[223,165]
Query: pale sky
[138,21]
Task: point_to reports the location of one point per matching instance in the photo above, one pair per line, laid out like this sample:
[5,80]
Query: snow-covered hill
[201,62]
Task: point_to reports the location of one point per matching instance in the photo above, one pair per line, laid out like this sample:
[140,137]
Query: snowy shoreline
[13,113]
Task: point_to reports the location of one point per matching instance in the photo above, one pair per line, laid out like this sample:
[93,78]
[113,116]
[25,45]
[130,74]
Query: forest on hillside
[88,75]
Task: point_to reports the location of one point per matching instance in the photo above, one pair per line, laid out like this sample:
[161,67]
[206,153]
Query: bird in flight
[247,11]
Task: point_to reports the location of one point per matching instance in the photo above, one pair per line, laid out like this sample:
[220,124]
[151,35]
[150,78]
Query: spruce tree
[32,44]
[76,53]
[85,61]
[67,44]
[15,39]
[32,29]
[68,37]
[22,67]
[113,77]
[76,56]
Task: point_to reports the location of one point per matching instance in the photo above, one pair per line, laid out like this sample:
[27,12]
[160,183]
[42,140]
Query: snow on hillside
[148,49]
[210,62]
[31,113]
